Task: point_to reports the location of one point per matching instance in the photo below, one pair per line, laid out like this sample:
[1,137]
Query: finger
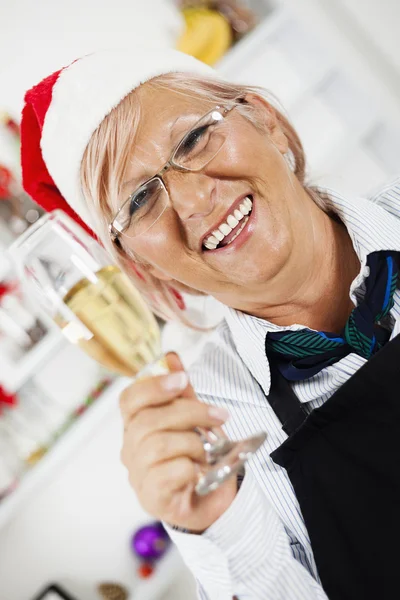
[168,445]
[166,478]
[153,391]
[180,414]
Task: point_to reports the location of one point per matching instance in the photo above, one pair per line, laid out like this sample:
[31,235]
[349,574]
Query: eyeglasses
[198,147]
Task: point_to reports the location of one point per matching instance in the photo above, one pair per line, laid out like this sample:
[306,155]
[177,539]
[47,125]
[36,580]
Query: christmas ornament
[149,544]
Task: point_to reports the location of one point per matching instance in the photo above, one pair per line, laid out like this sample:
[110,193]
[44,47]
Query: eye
[193,138]
[138,200]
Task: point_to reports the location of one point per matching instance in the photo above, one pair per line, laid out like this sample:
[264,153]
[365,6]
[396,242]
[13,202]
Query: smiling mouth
[229,230]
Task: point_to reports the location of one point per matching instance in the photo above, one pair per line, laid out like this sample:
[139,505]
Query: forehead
[165,116]
[163,107]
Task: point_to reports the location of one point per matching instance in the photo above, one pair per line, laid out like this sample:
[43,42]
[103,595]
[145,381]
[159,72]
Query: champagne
[125,334]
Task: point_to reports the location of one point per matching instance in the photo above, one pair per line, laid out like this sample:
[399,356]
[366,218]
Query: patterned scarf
[303,353]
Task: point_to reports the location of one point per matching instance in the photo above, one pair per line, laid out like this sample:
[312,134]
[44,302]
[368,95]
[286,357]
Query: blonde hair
[107,156]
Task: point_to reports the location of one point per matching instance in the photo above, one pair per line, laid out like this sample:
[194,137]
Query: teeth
[225,229]
[220,236]
[232,221]
[244,209]
[213,240]
[239,230]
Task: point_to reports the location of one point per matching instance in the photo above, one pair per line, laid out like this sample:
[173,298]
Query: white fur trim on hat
[84,94]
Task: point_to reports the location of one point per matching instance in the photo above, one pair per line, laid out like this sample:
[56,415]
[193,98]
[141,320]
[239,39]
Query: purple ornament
[151,541]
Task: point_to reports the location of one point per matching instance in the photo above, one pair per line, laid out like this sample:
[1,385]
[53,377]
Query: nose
[192,194]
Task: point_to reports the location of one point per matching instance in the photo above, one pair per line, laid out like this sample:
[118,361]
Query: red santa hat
[63,111]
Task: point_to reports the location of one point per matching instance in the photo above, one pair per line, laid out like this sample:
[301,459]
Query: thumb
[175,364]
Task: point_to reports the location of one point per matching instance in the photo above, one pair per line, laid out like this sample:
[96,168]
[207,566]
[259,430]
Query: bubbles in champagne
[126,335]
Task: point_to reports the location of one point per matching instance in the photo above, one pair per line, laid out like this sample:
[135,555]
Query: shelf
[52,477]
[281,57]
[250,44]
[13,376]
[56,457]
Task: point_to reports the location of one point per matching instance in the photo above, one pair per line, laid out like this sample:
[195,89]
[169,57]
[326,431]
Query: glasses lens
[142,209]
[202,142]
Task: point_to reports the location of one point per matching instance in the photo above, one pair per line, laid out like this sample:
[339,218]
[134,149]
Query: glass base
[229,464]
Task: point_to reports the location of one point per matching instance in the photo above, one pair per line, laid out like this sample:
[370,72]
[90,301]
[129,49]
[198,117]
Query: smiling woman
[197,184]
[146,140]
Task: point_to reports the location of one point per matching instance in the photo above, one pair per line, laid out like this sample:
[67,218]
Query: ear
[267,117]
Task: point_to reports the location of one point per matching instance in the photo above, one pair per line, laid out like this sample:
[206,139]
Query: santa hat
[63,111]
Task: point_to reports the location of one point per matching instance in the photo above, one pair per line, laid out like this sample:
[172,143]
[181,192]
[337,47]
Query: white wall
[379,21]
[37,38]
[365,32]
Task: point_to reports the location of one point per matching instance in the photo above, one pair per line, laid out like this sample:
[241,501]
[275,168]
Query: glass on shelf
[31,424]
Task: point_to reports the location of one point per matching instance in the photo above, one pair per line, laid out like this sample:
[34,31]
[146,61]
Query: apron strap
[284,402]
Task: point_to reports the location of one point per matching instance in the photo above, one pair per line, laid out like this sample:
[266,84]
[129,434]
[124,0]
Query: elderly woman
[198,185]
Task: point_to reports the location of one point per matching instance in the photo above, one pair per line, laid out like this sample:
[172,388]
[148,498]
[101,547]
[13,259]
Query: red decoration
[6,183]
[6,398]
[80,410]
[145,570]
[12,126]
[7,288]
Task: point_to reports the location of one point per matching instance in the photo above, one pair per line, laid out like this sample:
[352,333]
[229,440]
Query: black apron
[343,461]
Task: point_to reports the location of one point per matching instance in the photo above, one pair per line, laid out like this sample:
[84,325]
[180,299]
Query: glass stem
[214,444]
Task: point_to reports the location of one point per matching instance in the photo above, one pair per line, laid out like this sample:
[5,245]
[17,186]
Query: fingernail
[176,381]
[220,414]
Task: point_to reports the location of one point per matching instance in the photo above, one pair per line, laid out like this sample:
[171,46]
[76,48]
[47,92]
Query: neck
[318,294]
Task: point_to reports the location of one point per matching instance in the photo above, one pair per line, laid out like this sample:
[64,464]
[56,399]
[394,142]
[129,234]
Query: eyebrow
[135,181]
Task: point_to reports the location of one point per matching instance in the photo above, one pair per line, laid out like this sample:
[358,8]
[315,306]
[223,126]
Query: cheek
[259,163]
[243,160]
[270,247]
[163,249]
[159,243]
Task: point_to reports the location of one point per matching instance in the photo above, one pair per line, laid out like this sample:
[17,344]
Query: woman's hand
[163,453]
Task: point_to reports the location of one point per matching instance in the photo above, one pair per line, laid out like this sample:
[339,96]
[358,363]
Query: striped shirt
[259,549]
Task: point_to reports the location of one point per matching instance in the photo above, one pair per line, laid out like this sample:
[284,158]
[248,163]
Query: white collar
[371,229]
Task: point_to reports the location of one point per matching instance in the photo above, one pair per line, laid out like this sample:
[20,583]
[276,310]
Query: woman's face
[250,164]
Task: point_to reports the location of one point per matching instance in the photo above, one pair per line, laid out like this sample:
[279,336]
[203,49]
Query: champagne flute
[97,307]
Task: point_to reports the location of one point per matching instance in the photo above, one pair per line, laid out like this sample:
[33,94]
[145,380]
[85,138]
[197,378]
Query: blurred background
[67,514]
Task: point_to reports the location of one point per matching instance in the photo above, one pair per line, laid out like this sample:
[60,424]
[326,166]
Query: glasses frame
[224,110]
